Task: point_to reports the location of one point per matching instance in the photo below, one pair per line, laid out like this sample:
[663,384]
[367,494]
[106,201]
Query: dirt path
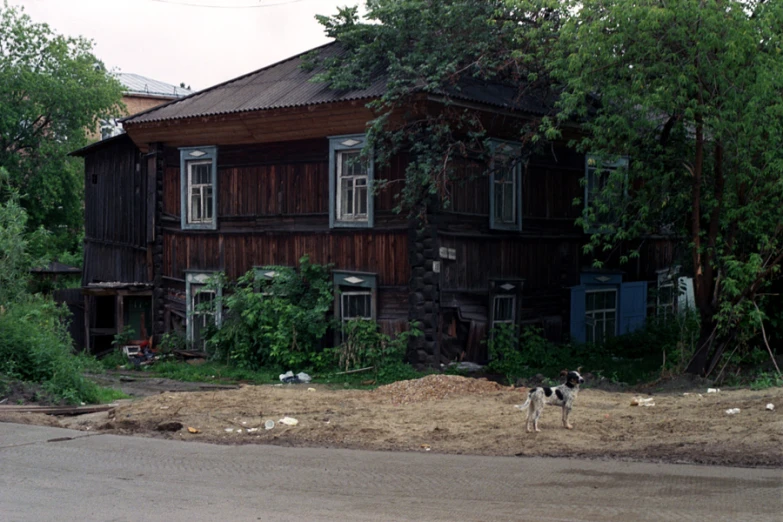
[450,414]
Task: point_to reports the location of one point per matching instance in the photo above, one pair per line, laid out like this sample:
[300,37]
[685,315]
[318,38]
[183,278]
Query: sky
[184,40]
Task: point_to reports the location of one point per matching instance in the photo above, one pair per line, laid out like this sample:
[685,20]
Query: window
[503,309]
[355,297]
[600,315]
[505,186]
[598,177]
[602,306]
[203,306]
[668,292]
[350,183]
[198,167]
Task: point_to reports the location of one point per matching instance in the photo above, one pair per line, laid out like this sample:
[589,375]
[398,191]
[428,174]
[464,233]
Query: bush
[277,322]
[35,347]
[364,345]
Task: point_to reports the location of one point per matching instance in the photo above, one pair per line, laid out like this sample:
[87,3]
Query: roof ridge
[222,84]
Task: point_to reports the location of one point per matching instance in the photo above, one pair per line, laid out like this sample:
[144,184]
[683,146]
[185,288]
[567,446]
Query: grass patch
[212,372]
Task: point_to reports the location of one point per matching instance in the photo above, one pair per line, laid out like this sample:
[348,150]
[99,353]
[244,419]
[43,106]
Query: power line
[188,4]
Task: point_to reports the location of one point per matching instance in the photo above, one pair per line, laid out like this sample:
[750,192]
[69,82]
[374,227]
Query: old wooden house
[258,171]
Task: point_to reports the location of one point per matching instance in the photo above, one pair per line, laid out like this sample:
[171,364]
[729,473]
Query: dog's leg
[535,408]
[566,411]
[530,416]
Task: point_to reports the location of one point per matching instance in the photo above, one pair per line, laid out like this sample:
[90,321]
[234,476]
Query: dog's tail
[524,406]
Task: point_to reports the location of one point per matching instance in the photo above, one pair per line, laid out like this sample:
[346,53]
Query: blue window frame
[598,176]
[602,306]
[351,176]
[198,185]
[505,186]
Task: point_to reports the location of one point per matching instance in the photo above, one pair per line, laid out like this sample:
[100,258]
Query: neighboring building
[140,94]
[258,171]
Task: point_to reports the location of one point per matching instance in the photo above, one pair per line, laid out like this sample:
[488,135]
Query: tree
[53,92]
[691,91]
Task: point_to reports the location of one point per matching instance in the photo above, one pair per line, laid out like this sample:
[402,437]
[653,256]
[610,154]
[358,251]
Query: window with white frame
[200,191]
[353,196]
[667,293]
[350,182]
[598,178]
[355,297]
[600,315]
[503,307]
[505,186]
[199,187]
[203,305]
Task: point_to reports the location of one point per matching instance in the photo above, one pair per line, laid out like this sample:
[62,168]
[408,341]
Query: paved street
[56,474]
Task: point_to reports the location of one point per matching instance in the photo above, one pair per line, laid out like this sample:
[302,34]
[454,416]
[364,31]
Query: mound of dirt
[452,414]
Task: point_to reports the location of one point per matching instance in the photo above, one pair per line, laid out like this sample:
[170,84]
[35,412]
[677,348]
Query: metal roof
[138,84]
[285,84]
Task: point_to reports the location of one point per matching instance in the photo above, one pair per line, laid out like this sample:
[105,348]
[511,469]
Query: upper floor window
[600,186]
[198,166]
[350,183]
[505,190]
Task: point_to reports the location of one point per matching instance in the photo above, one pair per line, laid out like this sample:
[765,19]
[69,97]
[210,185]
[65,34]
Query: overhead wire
[190,4]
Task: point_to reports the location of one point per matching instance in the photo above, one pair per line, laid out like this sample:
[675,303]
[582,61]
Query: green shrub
[364,345]
[276,322]
[35,347]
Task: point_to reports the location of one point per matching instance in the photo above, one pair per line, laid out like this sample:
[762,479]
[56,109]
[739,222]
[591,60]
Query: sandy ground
[452,414]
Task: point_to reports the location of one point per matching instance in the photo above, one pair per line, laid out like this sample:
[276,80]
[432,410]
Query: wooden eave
[261,126]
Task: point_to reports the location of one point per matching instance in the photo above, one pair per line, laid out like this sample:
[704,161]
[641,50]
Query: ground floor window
[600,315]
[603,306]
[355,297]
[203,306]
[503,307]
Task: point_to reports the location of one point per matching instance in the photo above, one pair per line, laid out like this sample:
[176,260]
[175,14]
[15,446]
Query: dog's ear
[579,369]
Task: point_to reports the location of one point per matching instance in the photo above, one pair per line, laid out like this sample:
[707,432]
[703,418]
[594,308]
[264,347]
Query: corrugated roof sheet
[138,84]
[286,84]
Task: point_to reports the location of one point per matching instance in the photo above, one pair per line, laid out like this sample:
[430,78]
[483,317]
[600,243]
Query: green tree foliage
[691,91]
[53,91]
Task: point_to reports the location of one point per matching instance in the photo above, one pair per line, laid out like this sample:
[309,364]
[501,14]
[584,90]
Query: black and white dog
[563,395]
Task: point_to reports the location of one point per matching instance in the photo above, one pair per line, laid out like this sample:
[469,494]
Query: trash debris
[288,421]
[289,378]
[770,407]
[252,430]
[229,430]
[268,425]
[310,389]
[193,430]
[426,447]
[303,377]
[732,411]
[713,390]
[640,401]
[466,366]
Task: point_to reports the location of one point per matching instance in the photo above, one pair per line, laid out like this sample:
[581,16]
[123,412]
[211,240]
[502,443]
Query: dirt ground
[452,414]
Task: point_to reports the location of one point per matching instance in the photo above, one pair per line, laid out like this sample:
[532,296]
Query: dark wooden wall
[116,214]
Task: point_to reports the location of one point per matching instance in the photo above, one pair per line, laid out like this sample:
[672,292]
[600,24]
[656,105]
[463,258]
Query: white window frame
[495,300]
[191,157]
[344,296]
[354,178]
[591,319]
[206,203]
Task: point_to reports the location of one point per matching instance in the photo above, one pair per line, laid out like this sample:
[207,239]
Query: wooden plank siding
[116,213]
[384,253]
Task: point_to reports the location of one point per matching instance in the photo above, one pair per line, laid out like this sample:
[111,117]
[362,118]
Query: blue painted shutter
[578,313]
[633,306]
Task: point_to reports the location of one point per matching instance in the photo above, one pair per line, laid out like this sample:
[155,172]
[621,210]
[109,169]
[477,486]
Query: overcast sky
[181,40]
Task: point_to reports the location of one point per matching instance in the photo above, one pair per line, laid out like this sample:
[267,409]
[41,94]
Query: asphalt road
[64,475]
